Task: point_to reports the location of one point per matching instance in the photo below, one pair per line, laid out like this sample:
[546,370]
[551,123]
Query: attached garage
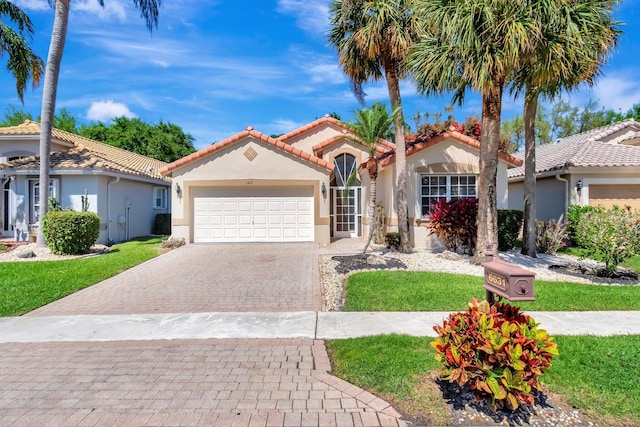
[283,214]
[609,195]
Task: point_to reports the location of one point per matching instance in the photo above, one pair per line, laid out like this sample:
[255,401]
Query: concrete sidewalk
[305,324]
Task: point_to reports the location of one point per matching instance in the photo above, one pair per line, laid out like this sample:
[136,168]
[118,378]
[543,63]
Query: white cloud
[106,110]
[279,126]
[33,4]
[617,91]
[111,9]
[311,15]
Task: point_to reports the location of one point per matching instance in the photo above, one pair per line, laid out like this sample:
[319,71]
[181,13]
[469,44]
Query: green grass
[598,375]
[429,291]
[394,367]
[25,286]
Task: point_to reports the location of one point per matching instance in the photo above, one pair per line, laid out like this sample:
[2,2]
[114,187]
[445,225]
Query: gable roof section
[84,153]
[416,146]
[309,127]
[584,150]
[310,158]
[381,147]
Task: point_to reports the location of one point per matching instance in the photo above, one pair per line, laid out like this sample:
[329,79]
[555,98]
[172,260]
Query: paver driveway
[207,278]
[179,382]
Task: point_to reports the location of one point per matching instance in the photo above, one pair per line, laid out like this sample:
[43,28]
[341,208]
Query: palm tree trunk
[529,220]
[56,48]
[402,211]
[489,145]
[373,178]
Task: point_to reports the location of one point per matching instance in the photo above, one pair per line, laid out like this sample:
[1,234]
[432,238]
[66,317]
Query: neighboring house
[597,167]
[125,189]
[254,188]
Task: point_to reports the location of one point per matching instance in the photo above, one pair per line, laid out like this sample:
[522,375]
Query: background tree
[149,10]
[14,117]
[476,45]
[23,63]
[371,125]
[163,141]
[373,39]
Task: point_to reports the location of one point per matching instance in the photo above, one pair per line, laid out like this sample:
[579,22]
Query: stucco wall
[270,168]
[447,157]
[25,147]
[307,140]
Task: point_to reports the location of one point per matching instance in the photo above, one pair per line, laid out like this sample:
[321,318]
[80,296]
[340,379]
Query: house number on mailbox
[497,280]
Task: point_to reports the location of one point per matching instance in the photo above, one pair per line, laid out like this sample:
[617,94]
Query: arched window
[346,165]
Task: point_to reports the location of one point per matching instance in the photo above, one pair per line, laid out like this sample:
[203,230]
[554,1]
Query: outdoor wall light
[178,190]
[579,186]
[324,190]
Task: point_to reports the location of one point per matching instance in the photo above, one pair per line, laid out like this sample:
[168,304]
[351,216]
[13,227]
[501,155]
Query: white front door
[347,211]
[268,218]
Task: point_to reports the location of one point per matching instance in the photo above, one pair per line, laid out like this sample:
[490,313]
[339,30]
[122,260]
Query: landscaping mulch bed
[358,262]
[594,273]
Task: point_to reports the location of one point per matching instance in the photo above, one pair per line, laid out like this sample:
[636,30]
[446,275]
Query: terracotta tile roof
[239,136]
[310,126]
[381,148]
[85,153]
[584,150]
[414,147]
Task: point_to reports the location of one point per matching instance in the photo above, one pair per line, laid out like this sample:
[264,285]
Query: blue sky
[215,67]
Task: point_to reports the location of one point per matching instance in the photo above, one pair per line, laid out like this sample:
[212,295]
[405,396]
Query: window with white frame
[34,185]
[160,196]
[445,187]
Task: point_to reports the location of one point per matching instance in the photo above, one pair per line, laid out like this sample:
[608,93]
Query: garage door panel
[269,216]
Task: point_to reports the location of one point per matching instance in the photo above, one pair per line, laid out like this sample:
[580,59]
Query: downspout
[4,208]
[566,194]
[109,208]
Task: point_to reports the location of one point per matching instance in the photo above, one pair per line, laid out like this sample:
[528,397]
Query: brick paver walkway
[179,383]
[207,278]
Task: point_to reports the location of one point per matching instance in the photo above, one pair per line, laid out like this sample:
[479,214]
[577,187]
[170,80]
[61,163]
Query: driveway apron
[207,278]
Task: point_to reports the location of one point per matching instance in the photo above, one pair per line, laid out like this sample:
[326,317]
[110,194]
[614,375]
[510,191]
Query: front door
[347,212]
[5,209]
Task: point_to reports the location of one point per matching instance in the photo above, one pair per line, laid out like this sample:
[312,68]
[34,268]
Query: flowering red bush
[455,223]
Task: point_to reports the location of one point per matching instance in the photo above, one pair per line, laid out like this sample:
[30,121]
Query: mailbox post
[506,280]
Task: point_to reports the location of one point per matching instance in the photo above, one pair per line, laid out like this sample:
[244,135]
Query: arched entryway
[346,195]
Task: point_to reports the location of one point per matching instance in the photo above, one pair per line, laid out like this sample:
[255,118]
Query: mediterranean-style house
[125,189]
[255,188]
[597,167]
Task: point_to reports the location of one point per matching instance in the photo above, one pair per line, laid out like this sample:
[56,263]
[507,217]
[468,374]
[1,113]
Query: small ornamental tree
[611,235]
[497,351]
[454,222]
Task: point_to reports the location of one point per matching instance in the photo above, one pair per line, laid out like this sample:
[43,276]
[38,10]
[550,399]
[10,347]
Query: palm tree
[23,63]
[474,44]
[370,126]
[373,38]
[149,10]
[575,42]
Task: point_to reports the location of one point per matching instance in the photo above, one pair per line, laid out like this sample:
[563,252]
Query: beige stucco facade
[306,163]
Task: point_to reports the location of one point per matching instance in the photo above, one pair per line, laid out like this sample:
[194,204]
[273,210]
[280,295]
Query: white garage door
[261,216]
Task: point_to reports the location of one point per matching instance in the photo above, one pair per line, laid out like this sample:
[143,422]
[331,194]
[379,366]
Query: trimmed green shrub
[611,235]
[162,224]
[496,350]
[574,218]
[509,227]
[393,240]
[454,222]
[70,232]
[550,236]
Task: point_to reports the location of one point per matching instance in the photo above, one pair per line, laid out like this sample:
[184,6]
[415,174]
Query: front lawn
[25,286]
[432,291]
[597,375]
